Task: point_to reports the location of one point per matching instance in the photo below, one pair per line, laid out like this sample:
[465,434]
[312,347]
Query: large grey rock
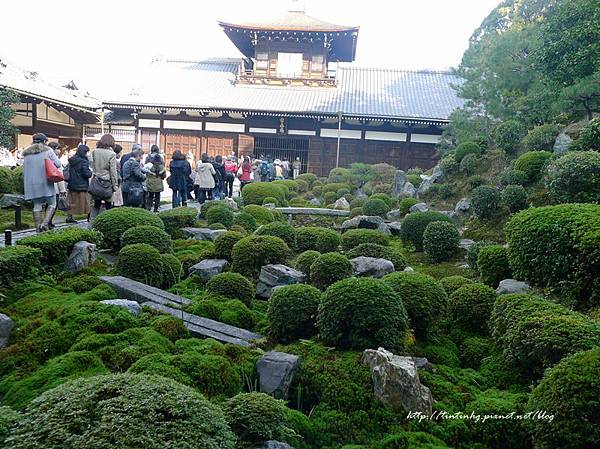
[362,222]
[409,191]
[371,267]
[394,227]
[276,372]
[314,202]
[510,286]
[561,144]
[82,255]
[428,181]
[127,304]
[231,204]
[398,183]
[394,215]
[396,381]
[272,444]
[463,205]
[360,193]
[341,204]
[203,233]
[465,244]
[275,275]
[208,268]
[419,207]
[6,327]
[11,200]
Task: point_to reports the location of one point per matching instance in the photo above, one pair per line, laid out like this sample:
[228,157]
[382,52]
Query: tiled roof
[360,91]
[292,21]
[30,83]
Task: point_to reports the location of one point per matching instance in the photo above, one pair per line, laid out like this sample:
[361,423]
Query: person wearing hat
[37,187]
[278,169]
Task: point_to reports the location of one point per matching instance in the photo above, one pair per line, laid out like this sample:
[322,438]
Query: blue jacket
[180,174]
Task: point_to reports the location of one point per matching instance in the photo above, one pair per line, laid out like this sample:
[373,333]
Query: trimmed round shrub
[232,285]
[466,148]
[246,221]
[329,268]
[448,164]
[330,197]
[514,198]
[380,252]
[512,177]
[222,215]
[470,307]
[18,264]
[354,237]
[315,238]
[508,135]
[423,297]
[112,410]
[343,320]
[293,312]
[452,283]
[356,211]
[114,222]
[414,179]
[532,164]
[440,241]
[310,178]
[57,245]
[224,244]
[175,219]
[6,180]
[541,138]
[256,192]
[252,252]
[151,235]
[493,266]
[170,327]
[414,226]
[171,269]
[473,253]
[279,229]
[473,350]
[384,197]
[298,202]
[589,137]
[486,202]
[140,262]
[406,204]
[375,206]
[575,177]
[304,261]
[82,283]
[357,202]
[256,417]
[475,181]
[335,186]
[558,246]
[216,226]
[468,165]
[535,334]
[270,200]
[208,205]
[261,214]
[570,392]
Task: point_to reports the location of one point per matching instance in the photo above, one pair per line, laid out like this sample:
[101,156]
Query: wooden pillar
[34,116]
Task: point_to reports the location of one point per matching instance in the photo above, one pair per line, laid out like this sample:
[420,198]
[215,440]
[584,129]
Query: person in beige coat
[104,168]
[205,178]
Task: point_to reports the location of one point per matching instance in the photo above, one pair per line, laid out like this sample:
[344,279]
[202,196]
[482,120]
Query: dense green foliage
[256,192]
[493,266]
[315,238]
[471,305]
[252,252]
[114,222]
[440,241]
[246,221]
[175,219]
[232,285]
[56,245]
[532,164]
[376,206]
[224,244]
[342,322]
[18,264]
[507,135]
[304,261]
[381,252]
[223,215]
[414,226]
[486,202]
[293,312]
[514,198]
[354,237]
[575,177]
[150,235]
[279,229]
[140,262]
[329,268]
[406,204]
[452,283]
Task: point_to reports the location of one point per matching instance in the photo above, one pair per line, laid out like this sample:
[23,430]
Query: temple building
[295,91]
[59,111]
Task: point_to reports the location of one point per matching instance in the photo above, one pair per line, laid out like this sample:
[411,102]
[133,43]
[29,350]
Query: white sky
[104,45]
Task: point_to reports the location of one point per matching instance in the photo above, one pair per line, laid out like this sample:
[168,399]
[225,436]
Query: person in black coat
[78,183]
[179,179]
[133,178]
[219,178]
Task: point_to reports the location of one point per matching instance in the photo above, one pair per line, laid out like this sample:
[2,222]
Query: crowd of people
[92,181]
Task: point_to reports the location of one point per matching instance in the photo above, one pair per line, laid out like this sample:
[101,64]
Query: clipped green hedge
[514,198]
[223,215]
[452,283]
[56,245]
[493,265]
[175,219]
[7,184]
[486,202]
[362,313]
[414,226]
[232,285]
[109,411]
[246,221]
[558,246]
[252,252]
[532,163]
[224,244]
[423,297]
[354,237]
[261,214]
[376,206]
[256,192]
[304,261]
[151,235]
[466,148]
[380,252]
[508,135]
[440,241]
[140,262]
[18,264]
[470,307]
[279,229]
[329,268]
[315,238]
[171,269]
[575,177]
[541,138]
[293,312]
[406,204]
[114,222]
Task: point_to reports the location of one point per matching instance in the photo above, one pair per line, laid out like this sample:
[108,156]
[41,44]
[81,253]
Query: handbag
[135,197]
[53,173]
[66,174]
[100,188]
[63,203]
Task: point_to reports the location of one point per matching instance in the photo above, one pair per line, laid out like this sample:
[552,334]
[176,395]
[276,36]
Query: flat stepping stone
[140,292]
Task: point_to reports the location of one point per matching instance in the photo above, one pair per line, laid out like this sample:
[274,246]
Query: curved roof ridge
[354,66]
[292,21]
